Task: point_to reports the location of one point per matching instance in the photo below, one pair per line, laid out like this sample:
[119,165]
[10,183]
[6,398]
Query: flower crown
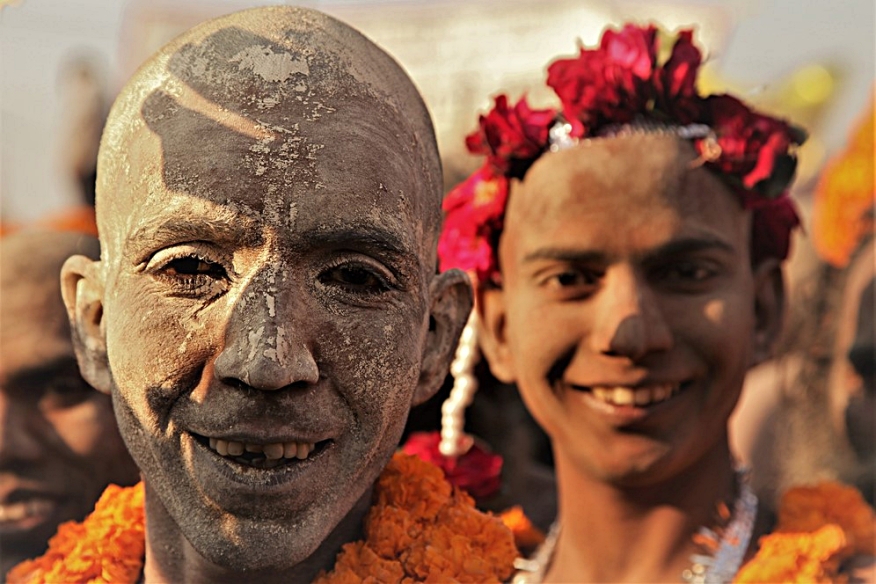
[635,80]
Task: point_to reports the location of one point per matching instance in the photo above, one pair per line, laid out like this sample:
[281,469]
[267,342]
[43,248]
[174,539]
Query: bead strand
[454,441]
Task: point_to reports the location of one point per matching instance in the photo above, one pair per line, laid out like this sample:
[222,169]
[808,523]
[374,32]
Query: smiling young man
[59,445]
[266,309]
[628,251]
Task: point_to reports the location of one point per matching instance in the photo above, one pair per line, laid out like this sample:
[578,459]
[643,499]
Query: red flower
[675,83]
[632,50]
[754,147]
[477,471]
[508,133]
[772,222]
[608,84]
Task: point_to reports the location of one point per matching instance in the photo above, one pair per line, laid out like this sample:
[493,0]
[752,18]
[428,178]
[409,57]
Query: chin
[268,548]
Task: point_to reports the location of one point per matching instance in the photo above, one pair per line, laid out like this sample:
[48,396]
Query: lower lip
[276,480]
[26,515]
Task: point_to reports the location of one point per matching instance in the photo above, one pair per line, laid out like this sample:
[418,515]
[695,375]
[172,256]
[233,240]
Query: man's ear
[769,308]
[451,297]
[82,290]
[493,342]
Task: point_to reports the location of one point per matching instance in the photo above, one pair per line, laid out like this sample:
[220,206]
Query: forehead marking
[190,99]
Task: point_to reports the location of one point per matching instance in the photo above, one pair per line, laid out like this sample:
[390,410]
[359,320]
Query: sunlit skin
[59,446]
[269,277]
[624,264]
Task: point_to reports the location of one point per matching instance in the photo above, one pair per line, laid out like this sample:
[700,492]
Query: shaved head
[286,87]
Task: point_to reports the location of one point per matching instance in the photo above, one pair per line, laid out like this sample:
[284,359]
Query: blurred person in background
[59,445]
[812,411]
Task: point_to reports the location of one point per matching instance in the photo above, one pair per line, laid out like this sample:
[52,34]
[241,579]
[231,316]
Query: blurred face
[627,308]
[852,377]
[59,446]
[267,318]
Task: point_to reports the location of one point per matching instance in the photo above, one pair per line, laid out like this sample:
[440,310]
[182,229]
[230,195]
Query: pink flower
[474,213]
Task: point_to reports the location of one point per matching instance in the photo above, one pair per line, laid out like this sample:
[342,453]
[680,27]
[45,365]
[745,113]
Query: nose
[629,320]
[18,441]
[266,341]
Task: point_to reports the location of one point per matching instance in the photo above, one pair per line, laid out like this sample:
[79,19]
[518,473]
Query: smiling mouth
[642,396]
[262,456]
[12,512]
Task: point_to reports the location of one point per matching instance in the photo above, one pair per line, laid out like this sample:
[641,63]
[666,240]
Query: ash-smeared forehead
[265,92]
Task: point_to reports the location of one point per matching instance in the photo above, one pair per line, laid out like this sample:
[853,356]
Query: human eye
[569,282]
[190,270]
[64,392]
[356,277]
[687,274]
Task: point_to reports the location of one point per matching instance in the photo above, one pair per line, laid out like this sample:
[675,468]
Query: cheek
[721,328]
[375,364]
[540,335]
[155,344]
[85,428]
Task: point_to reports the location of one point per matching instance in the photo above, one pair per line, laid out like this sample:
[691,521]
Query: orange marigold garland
[818,527]
[808,508]
[108,547]
[421,529]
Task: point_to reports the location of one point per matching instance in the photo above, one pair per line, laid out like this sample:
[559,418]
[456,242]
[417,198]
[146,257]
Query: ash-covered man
[59,445]
[266,311]
[629,252]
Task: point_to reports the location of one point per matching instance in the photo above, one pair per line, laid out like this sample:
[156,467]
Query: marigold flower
[796,557]
[526,535]
[845,197]
[807,508]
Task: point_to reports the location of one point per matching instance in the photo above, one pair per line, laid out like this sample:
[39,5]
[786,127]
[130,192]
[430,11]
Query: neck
[171,558]
[621,533]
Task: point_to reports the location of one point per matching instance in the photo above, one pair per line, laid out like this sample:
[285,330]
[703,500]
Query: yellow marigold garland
[420,529]
[108,547]
[818,527]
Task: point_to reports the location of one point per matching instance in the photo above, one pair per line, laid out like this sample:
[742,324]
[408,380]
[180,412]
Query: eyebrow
[364,237]
[39,374]
[238,230]
[687,245]
[571,256]
[690,245]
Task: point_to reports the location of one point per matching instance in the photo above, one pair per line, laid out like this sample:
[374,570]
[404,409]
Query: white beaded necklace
[719,568]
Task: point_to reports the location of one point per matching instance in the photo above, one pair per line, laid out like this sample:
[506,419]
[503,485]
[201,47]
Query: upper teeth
[23,509]
[273,451]
[640,396]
